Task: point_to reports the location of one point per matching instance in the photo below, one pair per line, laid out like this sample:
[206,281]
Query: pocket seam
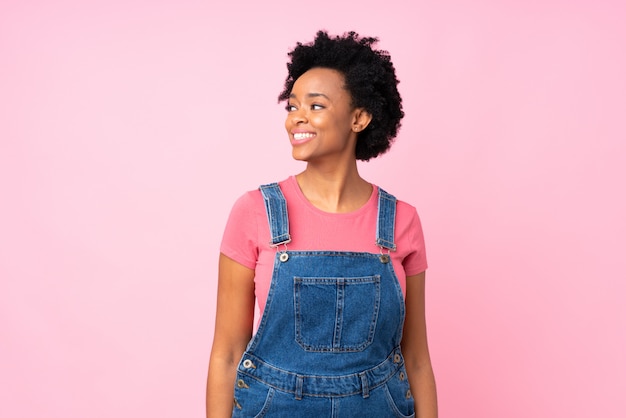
[266,404]
[336,281]
[392,404]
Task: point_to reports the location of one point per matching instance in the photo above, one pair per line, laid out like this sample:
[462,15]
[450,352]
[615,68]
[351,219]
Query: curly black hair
[370,77]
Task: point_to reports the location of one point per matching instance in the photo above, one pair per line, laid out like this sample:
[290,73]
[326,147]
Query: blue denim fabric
[328,344]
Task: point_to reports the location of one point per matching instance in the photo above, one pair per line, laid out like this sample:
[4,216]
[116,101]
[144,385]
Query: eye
[317,107]
[290,108]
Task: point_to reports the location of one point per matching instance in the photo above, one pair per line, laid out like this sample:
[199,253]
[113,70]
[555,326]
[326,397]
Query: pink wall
[128,128]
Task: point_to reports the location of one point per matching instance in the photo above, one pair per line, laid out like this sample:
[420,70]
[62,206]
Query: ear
[361,119]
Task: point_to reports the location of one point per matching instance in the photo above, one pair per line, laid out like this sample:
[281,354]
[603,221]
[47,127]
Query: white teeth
[302,135]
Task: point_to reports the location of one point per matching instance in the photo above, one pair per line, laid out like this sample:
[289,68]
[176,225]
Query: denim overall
[328,344]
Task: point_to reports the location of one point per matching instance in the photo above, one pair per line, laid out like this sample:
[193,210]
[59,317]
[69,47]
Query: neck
[334,189]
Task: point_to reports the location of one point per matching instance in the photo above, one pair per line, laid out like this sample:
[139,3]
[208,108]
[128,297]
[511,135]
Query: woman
[335,263]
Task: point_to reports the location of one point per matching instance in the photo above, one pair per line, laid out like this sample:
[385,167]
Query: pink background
[128,129]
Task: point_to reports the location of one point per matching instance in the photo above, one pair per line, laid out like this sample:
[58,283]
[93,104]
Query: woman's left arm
[415,349]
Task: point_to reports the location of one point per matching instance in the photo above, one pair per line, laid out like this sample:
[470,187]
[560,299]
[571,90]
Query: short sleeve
[415,262]
[240,239]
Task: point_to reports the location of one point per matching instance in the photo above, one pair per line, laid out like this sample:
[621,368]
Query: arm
[233,330]
[415,349]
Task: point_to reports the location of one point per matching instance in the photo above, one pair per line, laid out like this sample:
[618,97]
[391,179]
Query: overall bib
[328,344]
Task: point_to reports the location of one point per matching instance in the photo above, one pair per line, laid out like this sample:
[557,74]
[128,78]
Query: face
[321,122]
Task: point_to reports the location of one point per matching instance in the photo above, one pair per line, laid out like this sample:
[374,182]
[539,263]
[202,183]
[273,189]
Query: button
[396,358]
[236,403]
[241,384]
[283,257]
[408,394]
[247,363]
[384,258]
[402,376]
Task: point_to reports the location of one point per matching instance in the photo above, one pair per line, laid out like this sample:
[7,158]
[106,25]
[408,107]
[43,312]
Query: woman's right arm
[233,330]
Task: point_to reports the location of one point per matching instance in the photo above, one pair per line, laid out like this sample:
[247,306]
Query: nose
[298,116]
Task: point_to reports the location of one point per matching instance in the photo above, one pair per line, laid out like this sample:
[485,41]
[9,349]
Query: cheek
[321,121]
[341,125]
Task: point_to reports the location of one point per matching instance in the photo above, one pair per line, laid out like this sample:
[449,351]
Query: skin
[320,108]
[233,330]
[415,349]
[320,105]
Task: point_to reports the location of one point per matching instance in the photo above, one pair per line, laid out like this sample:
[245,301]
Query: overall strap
[276,209]
[385,226]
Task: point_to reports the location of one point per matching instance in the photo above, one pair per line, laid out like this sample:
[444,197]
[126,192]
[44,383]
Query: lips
[301,136]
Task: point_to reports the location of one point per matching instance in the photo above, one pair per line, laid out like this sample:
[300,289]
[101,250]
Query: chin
[299,157]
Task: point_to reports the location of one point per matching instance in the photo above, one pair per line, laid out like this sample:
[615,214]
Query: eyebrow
[310,95]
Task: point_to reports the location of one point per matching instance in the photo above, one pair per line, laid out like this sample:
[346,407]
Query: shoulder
[250,200]
[405,212]
[408,222]
[410,237]
[253,199]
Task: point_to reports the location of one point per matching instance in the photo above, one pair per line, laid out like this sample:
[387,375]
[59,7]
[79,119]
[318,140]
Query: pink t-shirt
[247,235]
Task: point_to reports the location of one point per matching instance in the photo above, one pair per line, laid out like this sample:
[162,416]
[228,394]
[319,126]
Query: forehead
[320,80]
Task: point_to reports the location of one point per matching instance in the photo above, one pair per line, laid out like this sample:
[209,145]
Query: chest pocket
[336,314]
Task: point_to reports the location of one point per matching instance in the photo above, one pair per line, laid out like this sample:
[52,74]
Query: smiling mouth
[299,136]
